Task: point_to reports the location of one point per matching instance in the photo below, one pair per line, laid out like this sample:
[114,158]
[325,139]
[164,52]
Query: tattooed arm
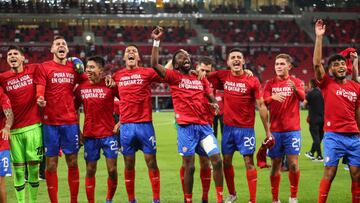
[5,132]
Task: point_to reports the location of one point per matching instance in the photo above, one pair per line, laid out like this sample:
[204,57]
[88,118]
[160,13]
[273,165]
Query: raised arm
[355,70]
[318,67]
[156,36]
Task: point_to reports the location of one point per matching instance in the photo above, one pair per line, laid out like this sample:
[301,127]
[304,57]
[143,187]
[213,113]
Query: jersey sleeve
[300,89]
[171,77]
[267,93]
[77,99]
[4,99]
[40,75]
[323,83]
[208,90]
[215,81]
[155,77]
[258,93]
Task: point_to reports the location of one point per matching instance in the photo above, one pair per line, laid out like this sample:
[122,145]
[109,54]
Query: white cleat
[231,199]
[293,200]
[276,201]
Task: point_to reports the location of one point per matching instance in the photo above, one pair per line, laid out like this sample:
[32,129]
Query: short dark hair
[173,61]
[335,57]
[206,60]
[98,60]
[234,50]
[15,47]
[287,57]
[56,37]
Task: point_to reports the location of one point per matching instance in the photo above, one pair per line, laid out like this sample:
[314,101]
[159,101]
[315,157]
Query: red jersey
[188,94]
[5,104]
[340,103]
[284,116]
[22,92]
[59,81]
[98,103]
[134,87]
[240,95]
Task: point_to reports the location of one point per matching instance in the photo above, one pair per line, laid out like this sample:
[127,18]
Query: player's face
[183,61]
[236,61]
[14,58]
[60,49]
[203,68]
[93,71]
[131,56]
[282,67]
[338,69]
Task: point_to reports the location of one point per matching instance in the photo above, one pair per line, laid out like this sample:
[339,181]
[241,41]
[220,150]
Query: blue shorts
[65,137]
[238,139]
[92,147]
[135,136]
[338,145]
[5,166]
[288,143]
[200,138]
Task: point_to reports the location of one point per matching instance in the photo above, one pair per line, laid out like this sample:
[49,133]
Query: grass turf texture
[169,162]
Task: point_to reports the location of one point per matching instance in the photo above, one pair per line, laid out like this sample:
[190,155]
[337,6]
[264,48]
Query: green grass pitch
[169,162]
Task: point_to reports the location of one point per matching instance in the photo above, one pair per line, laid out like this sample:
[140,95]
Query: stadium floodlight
[206,38]
[89,37]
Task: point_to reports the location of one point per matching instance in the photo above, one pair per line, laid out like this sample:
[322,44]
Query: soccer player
[55,81]
[282,95]
[194,131]
[6,121]
[241,93]
[26,137]
[136,130]
[315,102]
[98,132]
[342,118]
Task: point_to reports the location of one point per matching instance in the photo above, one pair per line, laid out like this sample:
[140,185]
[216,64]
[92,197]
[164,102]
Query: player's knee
[293,167]
[90,172]
[112,173]
[151,163]
[217,164]
[51,166]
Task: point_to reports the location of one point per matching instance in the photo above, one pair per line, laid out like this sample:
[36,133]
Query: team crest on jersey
[184,149]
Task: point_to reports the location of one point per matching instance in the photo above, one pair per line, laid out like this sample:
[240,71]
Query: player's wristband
[156,43]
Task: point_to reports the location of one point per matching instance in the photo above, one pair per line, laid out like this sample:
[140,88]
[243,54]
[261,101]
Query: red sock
[355,190]
[73,181]
[229,177]
[205,176]
[52,185]
[90,189]
[252,180]
[155,183]
[219,194]
[188,198]
[275,182]
[112,184]
[324,190]
[130,183]
[182,172]
[294,183]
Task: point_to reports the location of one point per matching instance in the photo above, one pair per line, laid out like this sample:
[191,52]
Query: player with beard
[136,130]
[241,93]
[194,131]
[26,137]
[6,121]
[55,81]
[99,126]
[283,95]
[342,118]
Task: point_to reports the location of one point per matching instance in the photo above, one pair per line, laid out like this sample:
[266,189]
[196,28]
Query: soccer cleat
[231,199]
[133,201]
[276,201]
[293,200]
[108,201]
[204,201]
[310,155]
[319,159]
[156,201]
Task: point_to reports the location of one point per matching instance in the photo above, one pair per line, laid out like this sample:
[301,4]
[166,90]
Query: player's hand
[78,64]
[157,33]
[292,85]
[353,55]
[200,74]
[216,107]
[278,97]
[248,73]
[41,101]
[320,28]
[109,82]
[5,133]
[116,129]
[269,142]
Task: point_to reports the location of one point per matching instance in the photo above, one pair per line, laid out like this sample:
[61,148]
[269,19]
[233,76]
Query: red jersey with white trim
[340,103]
[5,104]
[240,95]
[59,81]
[22,94]
[134,87]
[284,116]
[98,103]
[188,94]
